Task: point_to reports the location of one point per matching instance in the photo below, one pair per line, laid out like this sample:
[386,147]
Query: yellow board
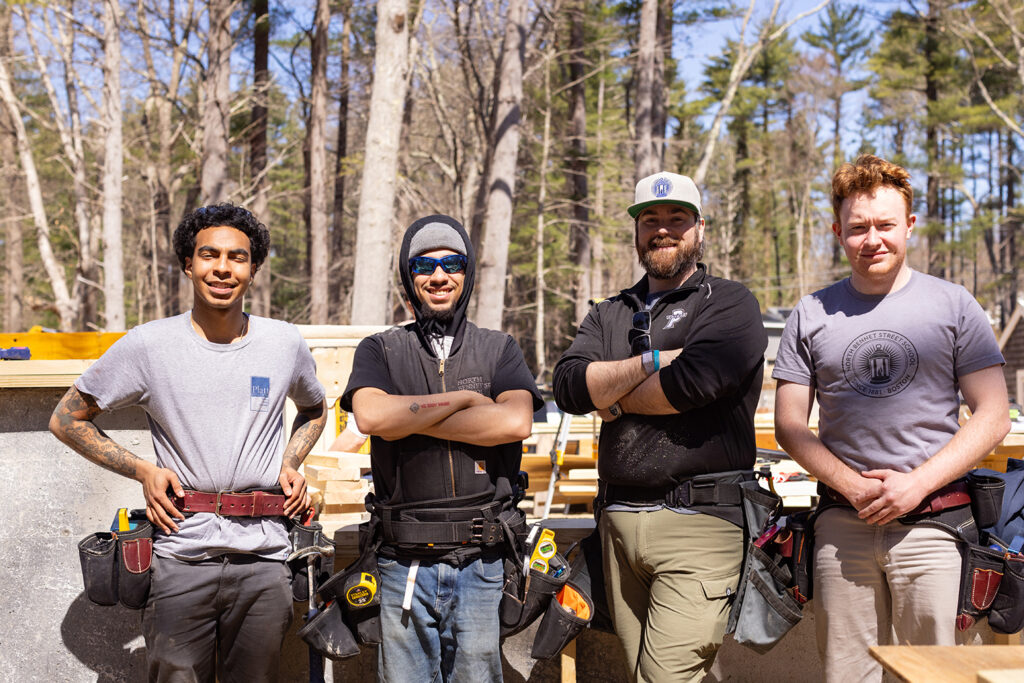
[62,345]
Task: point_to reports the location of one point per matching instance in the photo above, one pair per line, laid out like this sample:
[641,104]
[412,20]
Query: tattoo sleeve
[309,424]
[72,423]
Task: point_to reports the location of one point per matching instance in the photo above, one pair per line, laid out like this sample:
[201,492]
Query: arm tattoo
[415,407]
[73,424]
[309,424]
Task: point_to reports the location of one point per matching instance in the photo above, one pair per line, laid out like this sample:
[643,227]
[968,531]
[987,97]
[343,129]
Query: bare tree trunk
[66,307]
[645,159]
[320,245]
[539,345]
[342,241]
[373,273]
[501,182]
[13,247]
[214,181]
[579,227]
[599,279]
[113,165]
[260,297]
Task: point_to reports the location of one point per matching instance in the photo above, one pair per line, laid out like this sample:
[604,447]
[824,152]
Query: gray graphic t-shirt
[216,415]
[885,368]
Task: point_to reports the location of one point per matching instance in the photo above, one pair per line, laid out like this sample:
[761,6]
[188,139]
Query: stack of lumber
[577,482]
[336,481]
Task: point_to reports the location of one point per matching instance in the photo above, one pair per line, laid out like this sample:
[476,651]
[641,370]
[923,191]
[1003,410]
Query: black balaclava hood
[430,327]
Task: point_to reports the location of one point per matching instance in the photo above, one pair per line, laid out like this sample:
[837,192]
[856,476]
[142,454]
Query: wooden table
[955,664]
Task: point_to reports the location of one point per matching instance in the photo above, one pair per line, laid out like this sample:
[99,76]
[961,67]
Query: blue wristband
[657,362]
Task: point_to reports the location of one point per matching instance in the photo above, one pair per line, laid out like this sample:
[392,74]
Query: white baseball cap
[666,188]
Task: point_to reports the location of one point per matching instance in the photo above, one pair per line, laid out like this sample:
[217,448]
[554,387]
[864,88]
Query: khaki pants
[670,578]
[879,585]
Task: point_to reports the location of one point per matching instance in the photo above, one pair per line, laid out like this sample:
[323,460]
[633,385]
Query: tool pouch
[304,536]
[1007,613]
[98,554]
[522,603]
[360,608]
[986,498]
[135,559]
[568,613]
[764,609]
[980,579]
[328,634]
[801,561]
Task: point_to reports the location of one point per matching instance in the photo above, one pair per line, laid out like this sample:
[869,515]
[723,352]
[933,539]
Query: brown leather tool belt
[231,503]
[951,495]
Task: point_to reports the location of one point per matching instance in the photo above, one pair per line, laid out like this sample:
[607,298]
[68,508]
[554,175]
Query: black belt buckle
[476,528]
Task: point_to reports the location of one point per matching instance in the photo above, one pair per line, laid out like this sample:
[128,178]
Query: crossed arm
[464,416]
[882,495]
[627,383]
[72,423]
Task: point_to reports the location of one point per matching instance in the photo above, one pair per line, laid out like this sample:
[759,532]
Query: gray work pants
[225,616]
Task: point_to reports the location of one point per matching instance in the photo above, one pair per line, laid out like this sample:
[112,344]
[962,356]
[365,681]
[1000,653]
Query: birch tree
[373,271]
[13,248]
[113,167]
[501,181]
[65,306]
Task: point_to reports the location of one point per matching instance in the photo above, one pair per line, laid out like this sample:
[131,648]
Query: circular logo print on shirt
[661,188]
[880,363]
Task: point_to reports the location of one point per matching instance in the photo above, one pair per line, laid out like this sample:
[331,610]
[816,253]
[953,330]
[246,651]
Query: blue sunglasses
[425,265]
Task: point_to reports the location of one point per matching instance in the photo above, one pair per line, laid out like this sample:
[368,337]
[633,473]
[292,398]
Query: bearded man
[673,365]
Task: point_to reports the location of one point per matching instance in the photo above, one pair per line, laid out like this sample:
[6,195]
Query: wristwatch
[649,359]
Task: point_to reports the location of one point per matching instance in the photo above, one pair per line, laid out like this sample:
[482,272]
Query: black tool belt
[720,488]
[425,524]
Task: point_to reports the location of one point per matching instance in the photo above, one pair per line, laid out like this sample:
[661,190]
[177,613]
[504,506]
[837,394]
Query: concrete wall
[49,631]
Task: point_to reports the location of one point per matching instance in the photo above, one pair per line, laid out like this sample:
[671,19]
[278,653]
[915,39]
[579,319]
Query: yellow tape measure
[361,594]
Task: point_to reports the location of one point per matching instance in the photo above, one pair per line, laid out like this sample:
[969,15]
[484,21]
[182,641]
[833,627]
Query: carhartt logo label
[661,187]
[479,467]
[880,363]
[259,394]
[674,317]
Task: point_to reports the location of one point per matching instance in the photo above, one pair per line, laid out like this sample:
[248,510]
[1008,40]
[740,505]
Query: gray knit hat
[436,236]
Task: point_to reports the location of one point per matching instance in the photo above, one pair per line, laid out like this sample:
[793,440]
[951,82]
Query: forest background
[338,122]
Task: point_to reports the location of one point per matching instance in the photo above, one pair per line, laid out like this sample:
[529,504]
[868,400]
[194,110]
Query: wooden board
[950,664]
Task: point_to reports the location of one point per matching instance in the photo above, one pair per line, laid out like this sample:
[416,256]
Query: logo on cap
[661,187]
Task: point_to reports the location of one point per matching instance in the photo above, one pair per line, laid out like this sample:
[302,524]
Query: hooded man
[446,405]
[673,366]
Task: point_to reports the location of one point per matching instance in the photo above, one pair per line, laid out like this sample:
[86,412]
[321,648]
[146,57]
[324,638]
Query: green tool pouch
[523,599]
[98,554]
[328,634]
[135,555]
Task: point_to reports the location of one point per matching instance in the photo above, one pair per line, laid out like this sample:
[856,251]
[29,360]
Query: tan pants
[670,579]
[879,585]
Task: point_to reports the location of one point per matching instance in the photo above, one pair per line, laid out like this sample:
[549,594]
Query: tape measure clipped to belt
[361,589]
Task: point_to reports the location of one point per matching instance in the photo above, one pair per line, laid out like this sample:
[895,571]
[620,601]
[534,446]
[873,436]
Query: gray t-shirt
[216,415]
[885,368]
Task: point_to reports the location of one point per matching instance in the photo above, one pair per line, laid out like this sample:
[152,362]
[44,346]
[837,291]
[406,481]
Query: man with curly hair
[213,383]
[885,352]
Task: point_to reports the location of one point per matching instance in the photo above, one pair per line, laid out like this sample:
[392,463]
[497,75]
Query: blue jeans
[451,631]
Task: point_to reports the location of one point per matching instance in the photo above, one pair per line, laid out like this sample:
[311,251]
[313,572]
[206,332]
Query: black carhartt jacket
[714,383]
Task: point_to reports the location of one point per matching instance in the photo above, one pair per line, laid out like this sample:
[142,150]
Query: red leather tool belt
[951,495]
[231,504]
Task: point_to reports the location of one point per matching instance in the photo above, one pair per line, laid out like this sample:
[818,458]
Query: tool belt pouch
[135,559]
[980,578]
[1007,613]
[328,634]
[801,560]
[98,554]
[360,606]
[517,611]
[568,613]
[986,498]
[304,537]
[764,609]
